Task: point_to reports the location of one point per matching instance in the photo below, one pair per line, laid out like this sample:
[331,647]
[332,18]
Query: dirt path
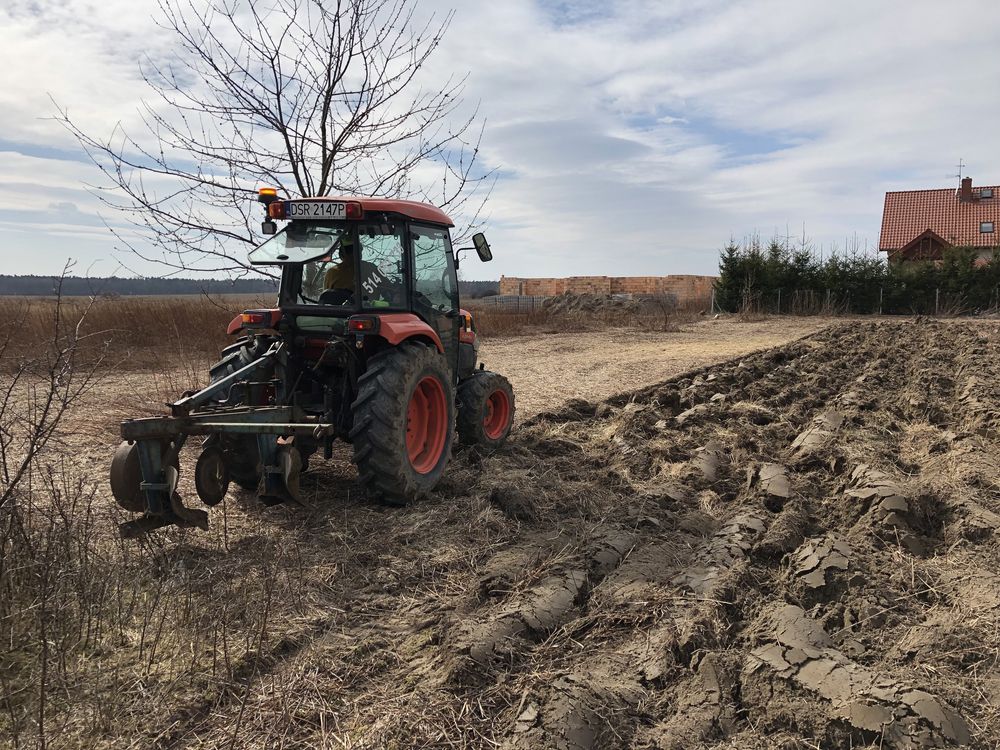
[793,549]
[549,369]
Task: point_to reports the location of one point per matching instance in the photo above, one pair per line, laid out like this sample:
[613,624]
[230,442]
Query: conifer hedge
[782,278]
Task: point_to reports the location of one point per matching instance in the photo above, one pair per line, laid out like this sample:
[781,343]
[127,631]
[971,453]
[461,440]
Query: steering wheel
[336,297]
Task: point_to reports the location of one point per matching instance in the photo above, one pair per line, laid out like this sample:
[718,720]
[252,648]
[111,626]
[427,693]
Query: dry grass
[144,333]
[135,332]
[496,322]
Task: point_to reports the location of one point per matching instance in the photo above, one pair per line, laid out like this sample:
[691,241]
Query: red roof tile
[910,213]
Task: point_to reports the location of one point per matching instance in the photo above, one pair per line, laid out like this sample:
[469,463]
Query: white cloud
[632,137]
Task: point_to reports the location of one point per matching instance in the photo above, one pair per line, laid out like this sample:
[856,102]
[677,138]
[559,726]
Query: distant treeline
[76,286]
[782,278]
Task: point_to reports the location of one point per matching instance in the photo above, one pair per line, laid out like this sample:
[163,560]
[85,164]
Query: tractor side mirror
[482,247]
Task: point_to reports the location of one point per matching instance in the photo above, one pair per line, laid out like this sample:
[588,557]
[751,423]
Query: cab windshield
[297,243]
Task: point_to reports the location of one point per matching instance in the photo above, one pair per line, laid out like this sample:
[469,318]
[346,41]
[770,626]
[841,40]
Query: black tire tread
[378,435]
[472,395]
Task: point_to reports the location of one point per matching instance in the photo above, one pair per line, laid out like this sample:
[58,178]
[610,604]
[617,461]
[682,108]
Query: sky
[629,138]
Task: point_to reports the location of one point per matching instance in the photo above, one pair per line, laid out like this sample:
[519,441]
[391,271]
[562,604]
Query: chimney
[965,192]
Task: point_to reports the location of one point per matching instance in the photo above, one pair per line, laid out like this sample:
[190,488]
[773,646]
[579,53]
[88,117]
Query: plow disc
[211,476]
[129,489]
[126,477]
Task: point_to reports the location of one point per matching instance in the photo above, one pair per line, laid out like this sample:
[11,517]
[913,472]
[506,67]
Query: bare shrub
[665,305]
[96,629]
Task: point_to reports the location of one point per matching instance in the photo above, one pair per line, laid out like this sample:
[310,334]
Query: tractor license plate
[329,210]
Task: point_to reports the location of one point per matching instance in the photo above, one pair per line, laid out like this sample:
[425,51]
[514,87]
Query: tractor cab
[375,260]
[368,344]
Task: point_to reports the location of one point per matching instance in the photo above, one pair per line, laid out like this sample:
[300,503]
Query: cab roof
[410,209]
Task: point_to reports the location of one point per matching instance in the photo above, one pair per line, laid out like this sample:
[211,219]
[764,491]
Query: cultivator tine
[178,514]
[142,526]
[281,474]
[188,516]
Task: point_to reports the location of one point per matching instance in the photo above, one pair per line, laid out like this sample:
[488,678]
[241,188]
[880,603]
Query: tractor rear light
[352,210]
[267,195]
[276,210]
[260,318]
[362,324]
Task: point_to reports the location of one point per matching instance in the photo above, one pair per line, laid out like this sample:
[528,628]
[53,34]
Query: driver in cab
[339,280]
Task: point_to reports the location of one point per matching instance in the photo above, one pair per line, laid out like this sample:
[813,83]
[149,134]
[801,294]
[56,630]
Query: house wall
[935,251]
[985,256]
[685,288]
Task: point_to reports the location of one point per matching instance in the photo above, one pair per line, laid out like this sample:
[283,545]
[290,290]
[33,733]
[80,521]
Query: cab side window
[434,279]
[382,265]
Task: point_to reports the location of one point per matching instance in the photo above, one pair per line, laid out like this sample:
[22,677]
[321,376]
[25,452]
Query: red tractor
[368,344]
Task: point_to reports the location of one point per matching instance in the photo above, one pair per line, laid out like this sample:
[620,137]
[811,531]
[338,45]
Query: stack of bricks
[684,288]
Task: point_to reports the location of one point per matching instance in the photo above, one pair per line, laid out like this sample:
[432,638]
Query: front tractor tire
[485,410]
[404,422]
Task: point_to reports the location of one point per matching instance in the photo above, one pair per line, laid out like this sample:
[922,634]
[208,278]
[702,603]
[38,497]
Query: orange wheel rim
[426,425]
[497,417]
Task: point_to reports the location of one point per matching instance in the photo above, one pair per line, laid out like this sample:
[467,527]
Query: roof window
[986,227]
[985,193]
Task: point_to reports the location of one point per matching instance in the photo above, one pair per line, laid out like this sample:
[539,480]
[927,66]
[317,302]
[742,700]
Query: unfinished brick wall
[685,288]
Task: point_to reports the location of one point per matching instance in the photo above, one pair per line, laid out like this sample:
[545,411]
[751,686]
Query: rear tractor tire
[240,452]
[235,357]
[242,459]
[404,423]
[485,410]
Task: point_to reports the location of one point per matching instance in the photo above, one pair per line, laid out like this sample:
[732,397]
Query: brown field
[732,535]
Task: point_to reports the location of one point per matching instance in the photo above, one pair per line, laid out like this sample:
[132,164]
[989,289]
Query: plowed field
[793,549]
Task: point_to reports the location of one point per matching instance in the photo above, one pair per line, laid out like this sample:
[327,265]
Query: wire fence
[512,303]
[874,301]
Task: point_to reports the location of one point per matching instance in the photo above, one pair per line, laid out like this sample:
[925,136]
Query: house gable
[925,246]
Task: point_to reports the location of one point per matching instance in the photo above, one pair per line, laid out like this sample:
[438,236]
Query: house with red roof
[922,224]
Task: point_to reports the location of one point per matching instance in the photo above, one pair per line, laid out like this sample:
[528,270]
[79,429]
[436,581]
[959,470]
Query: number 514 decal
[370,284]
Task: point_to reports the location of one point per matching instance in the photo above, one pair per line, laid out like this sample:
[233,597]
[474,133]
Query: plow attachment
[252,444]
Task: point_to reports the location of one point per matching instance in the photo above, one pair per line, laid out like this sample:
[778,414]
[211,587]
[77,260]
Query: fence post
[937,301]
[880,300]
[712,311]
[779,300]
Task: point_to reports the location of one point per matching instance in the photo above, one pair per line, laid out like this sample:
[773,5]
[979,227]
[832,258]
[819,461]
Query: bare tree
[315,97]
